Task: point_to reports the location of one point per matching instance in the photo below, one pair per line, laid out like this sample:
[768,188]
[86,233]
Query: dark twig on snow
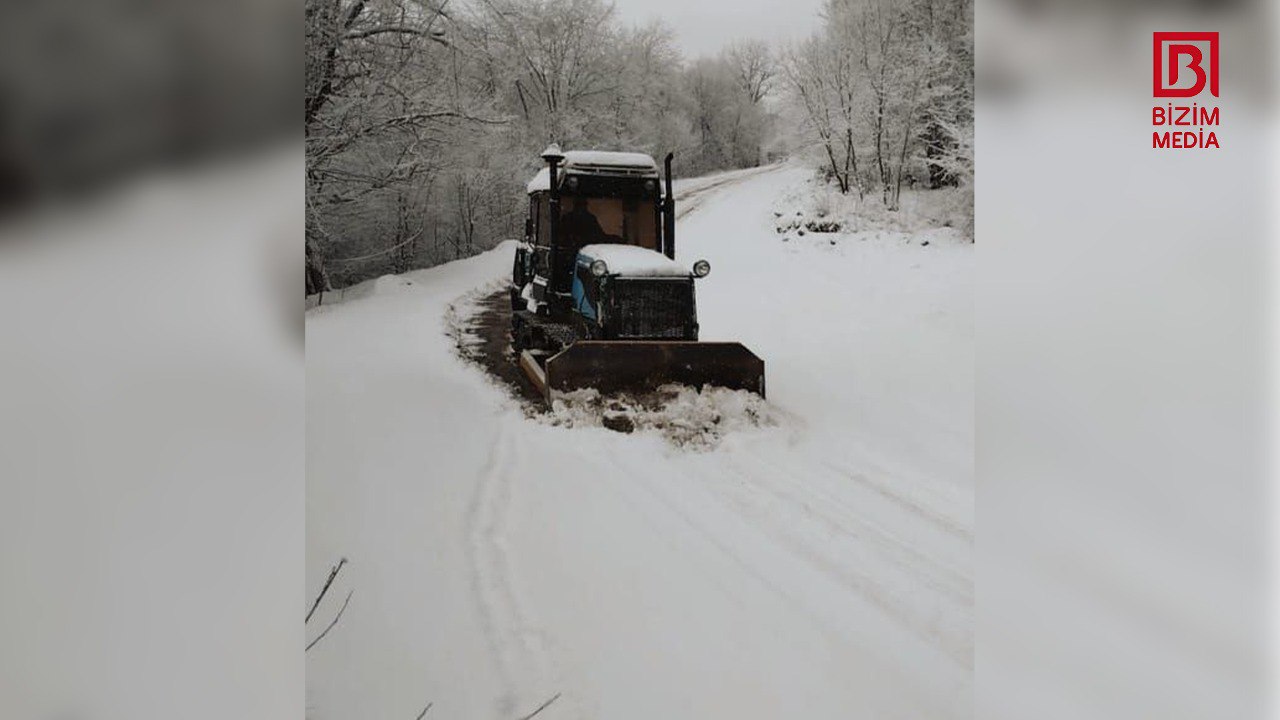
[332,623]
[542,707]
[424,711]
[333,573]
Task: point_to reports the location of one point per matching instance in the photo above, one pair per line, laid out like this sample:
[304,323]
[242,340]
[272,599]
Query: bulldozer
[598,299]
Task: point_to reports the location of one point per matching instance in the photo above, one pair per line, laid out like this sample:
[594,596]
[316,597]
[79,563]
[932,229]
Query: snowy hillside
[815,565]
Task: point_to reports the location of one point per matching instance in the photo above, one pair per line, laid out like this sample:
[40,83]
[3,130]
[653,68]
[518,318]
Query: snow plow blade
[644,365]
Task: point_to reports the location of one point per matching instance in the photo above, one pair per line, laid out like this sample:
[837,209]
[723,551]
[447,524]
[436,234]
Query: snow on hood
[596,160]
[633,261]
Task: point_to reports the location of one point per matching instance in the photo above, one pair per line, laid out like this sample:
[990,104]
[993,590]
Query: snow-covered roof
[580,158]
[597,161]
[634,261]
[541,181]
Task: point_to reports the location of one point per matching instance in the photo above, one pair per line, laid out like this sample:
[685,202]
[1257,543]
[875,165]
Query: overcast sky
[704,26]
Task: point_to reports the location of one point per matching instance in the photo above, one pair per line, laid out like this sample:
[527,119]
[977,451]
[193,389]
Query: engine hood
[633,261]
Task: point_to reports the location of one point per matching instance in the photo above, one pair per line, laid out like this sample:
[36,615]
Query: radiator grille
[654,309]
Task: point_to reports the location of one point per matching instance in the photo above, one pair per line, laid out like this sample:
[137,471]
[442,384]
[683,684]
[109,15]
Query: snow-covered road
[819,568]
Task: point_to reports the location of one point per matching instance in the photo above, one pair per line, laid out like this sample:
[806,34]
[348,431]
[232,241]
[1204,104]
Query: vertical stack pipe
[554,209]
[669,215]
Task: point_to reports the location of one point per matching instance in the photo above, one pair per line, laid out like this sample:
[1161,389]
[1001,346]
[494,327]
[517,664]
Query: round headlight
[599,268]
[572,182]
[702,268]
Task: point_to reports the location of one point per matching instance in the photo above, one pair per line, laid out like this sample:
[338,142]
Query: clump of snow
[634,261]
[696,419]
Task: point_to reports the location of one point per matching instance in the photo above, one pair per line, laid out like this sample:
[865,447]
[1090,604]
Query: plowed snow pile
[686,417]
[806,557]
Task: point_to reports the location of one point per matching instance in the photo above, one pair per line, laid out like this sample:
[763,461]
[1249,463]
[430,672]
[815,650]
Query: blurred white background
[151,408]
[1124,355]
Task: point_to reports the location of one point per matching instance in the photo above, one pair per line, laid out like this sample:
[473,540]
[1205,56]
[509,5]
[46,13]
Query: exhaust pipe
[553,157]
[669,215]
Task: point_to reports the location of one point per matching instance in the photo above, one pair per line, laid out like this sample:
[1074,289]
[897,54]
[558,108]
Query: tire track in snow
[772,526]
[789,517]
[947,523]
[852,524]
[479,559]
[630,483]
[817,497]
[515,646]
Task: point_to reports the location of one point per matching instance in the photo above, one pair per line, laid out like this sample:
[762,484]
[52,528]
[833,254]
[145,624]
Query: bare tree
[753,67]
[893,82]
[555,54]
[820,74]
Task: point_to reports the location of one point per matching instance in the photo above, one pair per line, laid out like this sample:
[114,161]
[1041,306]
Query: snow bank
[817,206]
[396,284]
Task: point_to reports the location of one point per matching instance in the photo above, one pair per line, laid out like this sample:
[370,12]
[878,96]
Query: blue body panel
[580,301]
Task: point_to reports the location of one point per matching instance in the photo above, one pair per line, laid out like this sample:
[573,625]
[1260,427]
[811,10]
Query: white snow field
[815,567]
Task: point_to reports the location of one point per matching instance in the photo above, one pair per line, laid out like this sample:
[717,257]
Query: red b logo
[1178,57]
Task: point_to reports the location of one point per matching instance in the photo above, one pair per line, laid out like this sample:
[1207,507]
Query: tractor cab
[597,297]
[597,198]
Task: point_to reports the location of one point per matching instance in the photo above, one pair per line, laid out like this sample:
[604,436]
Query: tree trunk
[317,278]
